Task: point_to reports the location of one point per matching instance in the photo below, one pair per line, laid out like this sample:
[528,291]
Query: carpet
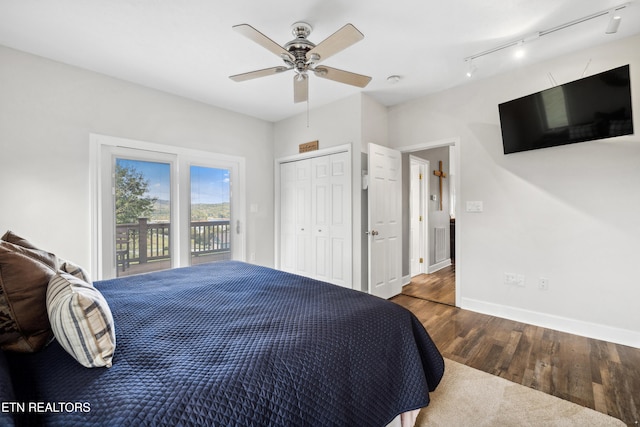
[469,397]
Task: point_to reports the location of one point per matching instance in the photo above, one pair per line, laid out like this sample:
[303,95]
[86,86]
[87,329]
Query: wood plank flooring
[437,287]
[592,373]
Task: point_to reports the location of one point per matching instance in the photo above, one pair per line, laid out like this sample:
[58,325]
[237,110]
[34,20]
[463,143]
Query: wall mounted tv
[593,107]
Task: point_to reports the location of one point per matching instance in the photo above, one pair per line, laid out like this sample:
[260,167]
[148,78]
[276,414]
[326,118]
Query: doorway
[158,207]
[435,279]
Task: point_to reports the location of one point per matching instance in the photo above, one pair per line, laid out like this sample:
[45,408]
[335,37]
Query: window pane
[210,214]
[143,216]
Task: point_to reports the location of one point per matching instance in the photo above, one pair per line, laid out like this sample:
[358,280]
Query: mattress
[235,344]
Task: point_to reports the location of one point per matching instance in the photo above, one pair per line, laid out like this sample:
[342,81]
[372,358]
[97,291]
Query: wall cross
[441,175]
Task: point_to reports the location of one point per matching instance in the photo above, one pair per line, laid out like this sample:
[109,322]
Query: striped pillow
[81,320]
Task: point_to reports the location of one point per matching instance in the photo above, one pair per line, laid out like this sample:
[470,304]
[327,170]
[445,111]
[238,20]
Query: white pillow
[74,270]
[81,320]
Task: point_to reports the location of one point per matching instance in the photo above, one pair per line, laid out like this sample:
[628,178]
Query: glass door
[210,214]
[142,212]
[156,209]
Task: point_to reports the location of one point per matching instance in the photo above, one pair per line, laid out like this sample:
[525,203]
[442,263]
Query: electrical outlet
[543,284]
[514,279]
[509,278]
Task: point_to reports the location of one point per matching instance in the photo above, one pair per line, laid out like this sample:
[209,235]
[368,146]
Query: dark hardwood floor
[592,373]
[437,287]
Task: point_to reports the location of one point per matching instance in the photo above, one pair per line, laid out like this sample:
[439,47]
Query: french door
[158,210]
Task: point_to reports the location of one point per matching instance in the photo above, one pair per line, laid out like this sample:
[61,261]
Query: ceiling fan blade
[342,76]
[258,73]
[341,39]
[264,41]
[300,88]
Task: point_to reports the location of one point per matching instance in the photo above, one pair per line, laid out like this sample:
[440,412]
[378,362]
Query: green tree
[131,202]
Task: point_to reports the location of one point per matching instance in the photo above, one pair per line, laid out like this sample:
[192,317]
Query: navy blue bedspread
[233,344]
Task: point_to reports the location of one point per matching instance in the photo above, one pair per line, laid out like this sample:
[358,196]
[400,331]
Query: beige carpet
[469,397]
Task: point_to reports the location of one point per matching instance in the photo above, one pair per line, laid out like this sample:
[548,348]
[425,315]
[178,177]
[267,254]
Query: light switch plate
[474,206]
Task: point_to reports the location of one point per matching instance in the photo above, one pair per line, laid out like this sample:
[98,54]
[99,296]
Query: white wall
[567,213]
[348,121]
[48,110]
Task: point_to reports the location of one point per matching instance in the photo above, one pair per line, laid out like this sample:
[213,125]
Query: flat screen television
[593,107]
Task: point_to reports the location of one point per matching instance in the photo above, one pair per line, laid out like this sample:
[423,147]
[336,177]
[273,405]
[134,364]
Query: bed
[232,344]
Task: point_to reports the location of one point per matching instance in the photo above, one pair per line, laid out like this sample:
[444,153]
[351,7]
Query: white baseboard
[430,269]
[572,326]
[439,266]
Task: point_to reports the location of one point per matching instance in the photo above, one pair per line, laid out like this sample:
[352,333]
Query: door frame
[185,156]
[293,158]
[422,233]
[454,172]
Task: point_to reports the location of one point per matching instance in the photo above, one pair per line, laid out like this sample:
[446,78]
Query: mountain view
[199,212]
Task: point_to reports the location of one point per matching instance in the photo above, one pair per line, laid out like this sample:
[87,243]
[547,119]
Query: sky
[208,185]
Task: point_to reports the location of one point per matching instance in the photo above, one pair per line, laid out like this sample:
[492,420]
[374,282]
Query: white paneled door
[315,215]
[385,221]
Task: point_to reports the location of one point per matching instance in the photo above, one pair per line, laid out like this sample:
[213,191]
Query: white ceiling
[187,47]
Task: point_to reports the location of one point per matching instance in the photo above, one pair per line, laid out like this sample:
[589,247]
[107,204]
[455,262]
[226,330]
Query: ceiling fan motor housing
[299,47]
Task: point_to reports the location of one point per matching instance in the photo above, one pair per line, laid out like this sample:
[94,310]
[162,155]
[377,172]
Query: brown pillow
[11,237]
[24,277]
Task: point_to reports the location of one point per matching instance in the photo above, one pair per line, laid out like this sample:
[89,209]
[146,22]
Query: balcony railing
[145,241]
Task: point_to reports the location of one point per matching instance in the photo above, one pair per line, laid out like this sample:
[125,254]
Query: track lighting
[612,27]
[519,53]
[614,22]
[471,68]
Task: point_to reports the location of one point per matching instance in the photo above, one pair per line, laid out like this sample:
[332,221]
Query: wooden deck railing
[150,241]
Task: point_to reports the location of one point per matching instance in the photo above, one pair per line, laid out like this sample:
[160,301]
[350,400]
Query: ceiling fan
[303,56]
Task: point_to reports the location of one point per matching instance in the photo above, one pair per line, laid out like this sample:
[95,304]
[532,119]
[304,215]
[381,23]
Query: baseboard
[558,323]
[430,269]
[439,266]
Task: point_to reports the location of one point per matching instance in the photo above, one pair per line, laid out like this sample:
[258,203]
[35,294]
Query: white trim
[188,155]
[439,266]
[453,142]
[563,324]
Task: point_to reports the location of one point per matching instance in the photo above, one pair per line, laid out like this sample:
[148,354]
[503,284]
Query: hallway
[436,287]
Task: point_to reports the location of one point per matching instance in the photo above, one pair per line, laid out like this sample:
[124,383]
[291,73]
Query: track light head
[614,22]
[471,68]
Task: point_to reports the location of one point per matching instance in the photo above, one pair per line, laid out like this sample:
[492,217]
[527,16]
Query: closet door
[331,217]
[321,216]
[315,212]
[288,217]
[304,257]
